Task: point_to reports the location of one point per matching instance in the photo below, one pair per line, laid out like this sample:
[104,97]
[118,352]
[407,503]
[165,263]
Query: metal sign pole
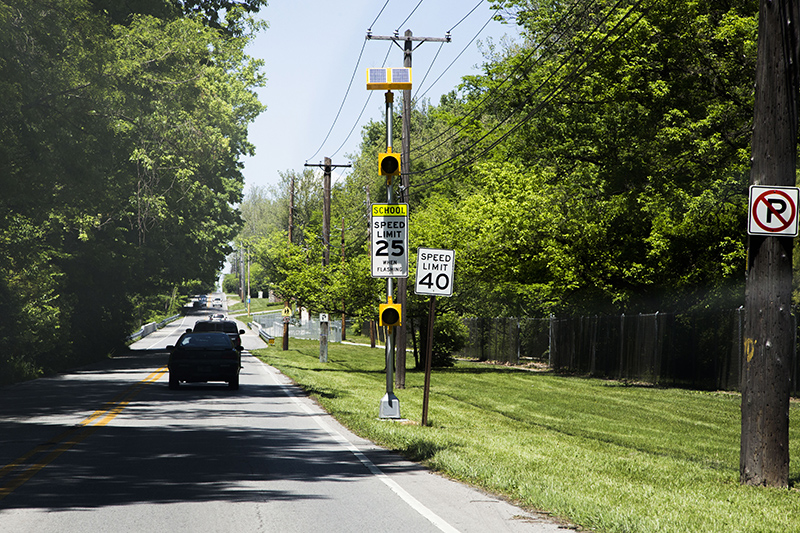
[390,405]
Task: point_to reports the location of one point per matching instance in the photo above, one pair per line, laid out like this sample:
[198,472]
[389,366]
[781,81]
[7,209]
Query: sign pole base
[390,406]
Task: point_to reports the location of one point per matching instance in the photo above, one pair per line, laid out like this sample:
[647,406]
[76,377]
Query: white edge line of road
[415,504]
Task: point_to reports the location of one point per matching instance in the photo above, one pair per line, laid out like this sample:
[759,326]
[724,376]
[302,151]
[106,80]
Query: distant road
[109,448]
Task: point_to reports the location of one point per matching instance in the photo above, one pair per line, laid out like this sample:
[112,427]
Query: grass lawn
[256,305]
[606,456]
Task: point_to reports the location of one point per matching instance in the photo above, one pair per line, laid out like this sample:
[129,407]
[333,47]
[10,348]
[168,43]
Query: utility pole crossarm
[445,39]
[323,165]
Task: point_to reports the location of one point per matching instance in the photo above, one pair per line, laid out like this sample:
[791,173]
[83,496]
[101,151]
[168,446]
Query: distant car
[218,316]
[225,326]
[201,357]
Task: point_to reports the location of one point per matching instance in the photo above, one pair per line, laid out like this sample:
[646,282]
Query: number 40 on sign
[434,272]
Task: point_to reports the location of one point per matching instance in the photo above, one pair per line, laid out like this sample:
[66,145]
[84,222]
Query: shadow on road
[199,443]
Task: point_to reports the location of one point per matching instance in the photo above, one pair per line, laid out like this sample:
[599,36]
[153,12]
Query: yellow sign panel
[388,79]
[287,311]
[390,210]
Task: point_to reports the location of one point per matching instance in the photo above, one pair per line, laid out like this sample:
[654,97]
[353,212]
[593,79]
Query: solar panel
[401,75]
[388,78]
[376,75]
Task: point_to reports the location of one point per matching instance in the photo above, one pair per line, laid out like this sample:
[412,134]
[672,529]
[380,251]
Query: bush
[450,335]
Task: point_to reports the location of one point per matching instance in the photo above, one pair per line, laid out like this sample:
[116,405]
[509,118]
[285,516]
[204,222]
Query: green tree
[120,166]
[631,122]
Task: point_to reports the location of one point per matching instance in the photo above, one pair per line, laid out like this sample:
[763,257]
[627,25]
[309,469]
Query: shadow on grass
[420,450]
[322,393]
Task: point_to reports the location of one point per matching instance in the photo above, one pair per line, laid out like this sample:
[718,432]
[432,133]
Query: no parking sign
[773,211]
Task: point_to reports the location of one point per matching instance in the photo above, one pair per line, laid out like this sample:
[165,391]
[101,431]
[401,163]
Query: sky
[311,52]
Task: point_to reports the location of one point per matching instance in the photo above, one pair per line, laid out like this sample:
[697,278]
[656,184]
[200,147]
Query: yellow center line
[90,424]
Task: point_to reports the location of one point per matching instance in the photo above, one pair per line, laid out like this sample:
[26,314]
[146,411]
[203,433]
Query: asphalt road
[110,448]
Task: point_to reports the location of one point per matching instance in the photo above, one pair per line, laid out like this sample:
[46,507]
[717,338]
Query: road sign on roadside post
[286,313]
[434,272]
[434,278]
[389,229]
[389,235]
[772,211]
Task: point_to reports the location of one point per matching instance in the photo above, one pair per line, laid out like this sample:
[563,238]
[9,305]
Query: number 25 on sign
[389,232]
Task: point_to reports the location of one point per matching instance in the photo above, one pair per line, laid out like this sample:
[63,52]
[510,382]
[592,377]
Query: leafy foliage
[597,165]
[119,168]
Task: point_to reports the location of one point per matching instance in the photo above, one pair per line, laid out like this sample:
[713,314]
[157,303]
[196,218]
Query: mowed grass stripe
[602,454]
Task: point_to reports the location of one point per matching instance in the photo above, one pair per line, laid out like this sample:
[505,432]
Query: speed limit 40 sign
[389,231]
[435,272]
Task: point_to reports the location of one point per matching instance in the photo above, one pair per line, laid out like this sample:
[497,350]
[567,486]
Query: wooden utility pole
[371,322]
[291,209]
[405,168]
[326,206]
[326,241]
[769,326]
[326,212]
[344,315]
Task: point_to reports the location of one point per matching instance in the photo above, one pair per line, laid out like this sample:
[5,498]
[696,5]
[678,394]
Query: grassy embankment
[610,457]
[256,305]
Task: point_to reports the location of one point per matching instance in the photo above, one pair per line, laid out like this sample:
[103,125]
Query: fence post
[550,343]
[621,343]
[740,316]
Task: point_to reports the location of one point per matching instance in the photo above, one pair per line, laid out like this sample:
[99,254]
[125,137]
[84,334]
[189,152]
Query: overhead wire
[458,56]
[584,65]
[433,61]
[349,85]
[379,15]
[492,94]
[341,106]
[386,57]
[425,77]
[352,129]
[465,16]
[548,98]
[409,16]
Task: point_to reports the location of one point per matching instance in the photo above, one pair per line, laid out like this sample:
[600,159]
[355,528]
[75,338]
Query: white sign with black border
[435,272]
[389,233]
[773,211]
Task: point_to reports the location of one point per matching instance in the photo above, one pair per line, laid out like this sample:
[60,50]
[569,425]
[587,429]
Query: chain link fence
[697,350]
[272,325]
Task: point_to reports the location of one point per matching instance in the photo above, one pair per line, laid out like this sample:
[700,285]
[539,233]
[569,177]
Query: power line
[467,15]
[492,93]
[425,77]
[379,15]
[362,109]
[583,66]
[408,17]
[341,106]
[349,85]
[458,56]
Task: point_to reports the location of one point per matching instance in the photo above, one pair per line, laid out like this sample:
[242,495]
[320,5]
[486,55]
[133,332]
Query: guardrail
[269,339]
[150,327]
